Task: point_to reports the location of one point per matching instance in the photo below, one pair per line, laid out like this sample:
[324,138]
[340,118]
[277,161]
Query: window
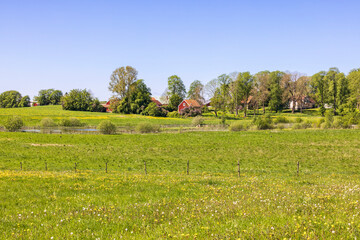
[184,104]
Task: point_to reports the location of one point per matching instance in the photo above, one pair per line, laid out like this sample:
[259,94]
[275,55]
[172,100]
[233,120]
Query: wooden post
[75,168]
[298,168]
[20,165]
[106,167]
[145,168]
[188,167]
[45,166]
[239,168]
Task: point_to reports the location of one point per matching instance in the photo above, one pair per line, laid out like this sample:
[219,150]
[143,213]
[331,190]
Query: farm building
[304,103]
[187,104]
[34,104]
[107,106]
[157,102]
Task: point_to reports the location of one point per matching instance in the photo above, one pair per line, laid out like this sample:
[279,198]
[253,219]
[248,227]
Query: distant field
[268,201]
[32,117]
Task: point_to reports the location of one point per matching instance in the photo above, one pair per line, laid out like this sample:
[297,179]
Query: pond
[61,130]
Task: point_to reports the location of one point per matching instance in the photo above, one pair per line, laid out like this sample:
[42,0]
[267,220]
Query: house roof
[192,103]
[156,101]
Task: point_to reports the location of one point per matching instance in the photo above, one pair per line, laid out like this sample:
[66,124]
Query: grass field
[268,200]
[33,115]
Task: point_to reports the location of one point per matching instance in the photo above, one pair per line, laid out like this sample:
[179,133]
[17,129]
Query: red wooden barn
[107,106]
[188,103]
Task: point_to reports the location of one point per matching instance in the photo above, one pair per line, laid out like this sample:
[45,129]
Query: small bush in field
[237,126]
[47,122]
[281,119]
[198,121]
[13,123]
[173,114]
[106,127]
[263,122]
[318,123]
[71,122]
[147,128]
[298,120]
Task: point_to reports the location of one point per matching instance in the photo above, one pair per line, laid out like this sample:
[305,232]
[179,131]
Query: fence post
[75,167]
[106,167]
[145,168]
[238,168]
[20,165]
[188,167]
[46,166]
[298,168]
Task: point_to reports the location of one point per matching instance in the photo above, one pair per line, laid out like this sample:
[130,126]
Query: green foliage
[281,119]
[49,96]
[302,125]
[298,120]
[25,101]
[12,99]
[173,114]
[121,81]
[238,126]
[155,111]
[47,122]
[96,106]
[276,91]
[107,127]
[329,119]
[136,100]
[80,100]
[176,86]
[263,122]
[70,122]
[198,121]
[146,127]
[174,102]
[13,123]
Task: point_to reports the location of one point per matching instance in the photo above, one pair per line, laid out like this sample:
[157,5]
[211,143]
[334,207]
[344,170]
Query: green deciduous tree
[13,99]
[176,86]
[262,88]
[80,100]
[121,81]
[246,81]
[276,92]
[49,96]
[354,86]
[196,91]
[319,88]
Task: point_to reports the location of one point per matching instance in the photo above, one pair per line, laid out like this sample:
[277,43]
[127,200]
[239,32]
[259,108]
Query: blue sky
[77,44]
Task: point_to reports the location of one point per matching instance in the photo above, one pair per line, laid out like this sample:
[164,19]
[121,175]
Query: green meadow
[47,199]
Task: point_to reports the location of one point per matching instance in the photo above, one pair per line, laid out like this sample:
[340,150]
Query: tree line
[273,90]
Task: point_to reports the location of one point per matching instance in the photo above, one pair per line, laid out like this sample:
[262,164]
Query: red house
[107,106]
[188,103]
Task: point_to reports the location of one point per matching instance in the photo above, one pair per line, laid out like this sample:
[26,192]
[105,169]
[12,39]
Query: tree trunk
[215,113]
[263,107]
[293,106]
[301,106]
[334,107]
[245,108]
[236,110]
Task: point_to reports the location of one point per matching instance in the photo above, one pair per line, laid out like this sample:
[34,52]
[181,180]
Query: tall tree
[224,85]
[276,92]
[330,77]
[262,87]
[319,88]
[196,91]
[354,85]
[293,89]
[176,86]
[121,81]
[246,81]
[302,90]
[11,99]
[343,91]
[212,90]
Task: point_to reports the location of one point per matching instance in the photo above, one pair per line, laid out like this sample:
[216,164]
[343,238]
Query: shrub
[173,114]
[146,127]
[281,119]
[223,120]
[280,126]
[237,126]
[263,122]
[70,122]
[106,127]
[303,125]
[298,120]
[13,123]
[47,122]
[198,121]
[329,119]
[318,123]
[153,110]
[190,112]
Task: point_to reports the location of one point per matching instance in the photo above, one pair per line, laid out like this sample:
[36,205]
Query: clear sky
[77,44]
